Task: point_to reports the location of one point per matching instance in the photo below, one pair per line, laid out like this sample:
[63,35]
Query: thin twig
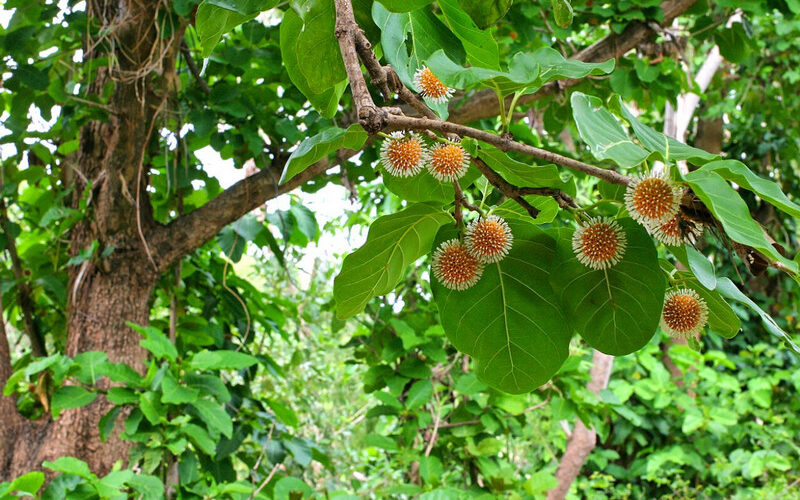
[187,56]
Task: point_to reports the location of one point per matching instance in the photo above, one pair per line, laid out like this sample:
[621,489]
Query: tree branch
[346,32]
[187,56]
[23,290]
[484,104]
[187,233]
[504,143]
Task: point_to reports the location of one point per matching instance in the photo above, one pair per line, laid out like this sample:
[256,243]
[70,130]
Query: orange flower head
[676,231]
[454,267]
[403,155]
[685,313]
[431,87]
[448,162]
[489,239]
[652,199]
[600,243]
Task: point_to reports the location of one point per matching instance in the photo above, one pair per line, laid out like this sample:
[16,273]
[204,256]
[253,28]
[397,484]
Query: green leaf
[320,146]
[616,310]
[604,135]
[562,12]
[68,397]
[393,243]
[316,48]
[149,487]
[485,12]
[216,17]
[382,442]
[425,187]
[721,318]
[736,171]
[669,149]
[426,33]
[733,42]
[174,393]
[220,360]
[509,322]
[200,438]
[122,395]
[547,206]
[480,46]
[729,208]
[404,5]
[28,483]
[527,72]
[107,423]
[283,412]
[419,394]
[296,62]
[156,342]
[430,469]
[519,173]
[32,77]
[151,407]
[209,384]
[214,416]
[701,267]
[70,465]
[727,289]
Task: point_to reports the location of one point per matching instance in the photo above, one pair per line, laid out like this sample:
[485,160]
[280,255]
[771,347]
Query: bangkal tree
[519,261]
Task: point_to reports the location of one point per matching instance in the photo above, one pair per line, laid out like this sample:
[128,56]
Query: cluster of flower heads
[430,87]
[459,265]
[685,313]
[654,201]
[405,154]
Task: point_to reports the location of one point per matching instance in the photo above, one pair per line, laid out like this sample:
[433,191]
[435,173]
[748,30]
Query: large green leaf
[426,32]
[321,145]
[519,173]
[425,187]
[68,397]
[605,136]
[480,45]
[729,208]
[527,71]
[509,322]
[318,74]
[736,171]
[616,310]
[393,243]
[669,149]
[216,17]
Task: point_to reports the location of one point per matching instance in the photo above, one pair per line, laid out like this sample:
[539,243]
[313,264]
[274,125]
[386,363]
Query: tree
[132,216]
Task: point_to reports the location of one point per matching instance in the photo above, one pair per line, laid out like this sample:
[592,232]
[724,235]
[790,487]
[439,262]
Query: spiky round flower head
[685,313]
[448,162]
[651,199]
[489,239]
[431,87]
[676,231]
[600,243]
[454,267]
[403,155]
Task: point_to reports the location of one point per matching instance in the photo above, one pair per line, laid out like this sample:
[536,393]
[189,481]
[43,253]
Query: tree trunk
[101,304]
[105,293]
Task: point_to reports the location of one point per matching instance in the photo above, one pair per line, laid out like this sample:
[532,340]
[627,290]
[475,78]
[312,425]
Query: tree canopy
[571,233]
